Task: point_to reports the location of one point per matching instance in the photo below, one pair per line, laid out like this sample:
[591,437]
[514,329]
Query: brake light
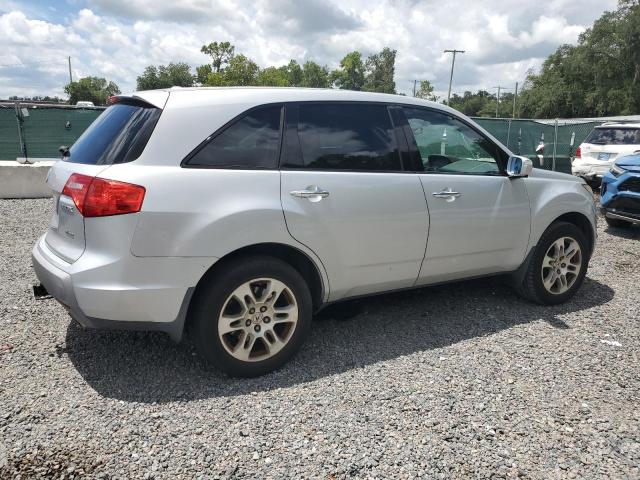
[578,152]
[100,197]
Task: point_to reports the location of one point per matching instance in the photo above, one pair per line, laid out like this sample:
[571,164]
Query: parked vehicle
[604,145]
[84,104]
[620,192]
[239,212]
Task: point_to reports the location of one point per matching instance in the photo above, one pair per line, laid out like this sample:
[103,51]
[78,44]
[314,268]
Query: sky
[117,39]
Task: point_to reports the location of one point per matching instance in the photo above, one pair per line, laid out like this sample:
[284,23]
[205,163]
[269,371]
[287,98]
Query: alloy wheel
[258,319]
[561,265]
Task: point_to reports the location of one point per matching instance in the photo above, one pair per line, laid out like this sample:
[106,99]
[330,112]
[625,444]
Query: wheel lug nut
[247,323]
[266,319]
[263,309]
[257,328]
[252,311]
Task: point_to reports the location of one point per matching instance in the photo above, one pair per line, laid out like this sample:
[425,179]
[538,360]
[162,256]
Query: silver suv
[239,212]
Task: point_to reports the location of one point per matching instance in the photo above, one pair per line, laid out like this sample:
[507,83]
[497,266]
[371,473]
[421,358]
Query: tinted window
[118,135]
[447,145]
[614,136]
[251,142]
[347,137]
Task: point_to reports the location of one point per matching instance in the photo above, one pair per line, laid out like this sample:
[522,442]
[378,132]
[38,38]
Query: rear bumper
[141,295]
[589,170]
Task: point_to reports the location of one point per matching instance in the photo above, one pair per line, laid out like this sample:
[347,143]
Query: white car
[602,147]
[239,212]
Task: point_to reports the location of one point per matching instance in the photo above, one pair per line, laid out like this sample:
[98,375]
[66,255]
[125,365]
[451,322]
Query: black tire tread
[216,286]
[528,288]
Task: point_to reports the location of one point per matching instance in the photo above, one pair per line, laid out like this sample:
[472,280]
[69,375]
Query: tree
[380,72]
[426,91]
[273,77]
[91,89]
[350,75]
[294,73]
[241,71]
[165,76]
[599,76]
[221,54]
[314,75]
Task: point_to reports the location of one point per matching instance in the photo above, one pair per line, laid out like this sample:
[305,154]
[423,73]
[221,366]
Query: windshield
[614,136]
[118,135]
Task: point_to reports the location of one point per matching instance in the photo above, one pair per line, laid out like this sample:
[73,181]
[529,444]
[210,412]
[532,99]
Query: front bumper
[147,306]
[617,201]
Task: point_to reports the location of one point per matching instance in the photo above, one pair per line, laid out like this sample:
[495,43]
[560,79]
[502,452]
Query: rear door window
[614,136]
[336,136]
[118,135]
[250,142]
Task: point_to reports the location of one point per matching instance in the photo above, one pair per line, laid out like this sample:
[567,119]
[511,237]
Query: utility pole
[515,98]
[453,62]
[70,77]
[498,98]
[415,82]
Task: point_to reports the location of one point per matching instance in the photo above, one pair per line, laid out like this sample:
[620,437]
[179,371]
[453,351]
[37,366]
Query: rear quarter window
[614,136]
[118,135]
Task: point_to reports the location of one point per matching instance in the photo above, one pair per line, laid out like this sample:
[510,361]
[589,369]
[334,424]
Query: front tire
[558,266]
[251,316]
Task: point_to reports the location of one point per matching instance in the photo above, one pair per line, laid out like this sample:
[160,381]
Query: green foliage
[273,77]
[483,104]
[220,53]
[425,91]
[351,74]
[165,76]
[314,75]
[91,89]
[228,69]
[599,76]
[380,71]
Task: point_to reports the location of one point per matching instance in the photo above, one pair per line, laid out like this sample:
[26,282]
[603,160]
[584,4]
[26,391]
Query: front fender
[552,198]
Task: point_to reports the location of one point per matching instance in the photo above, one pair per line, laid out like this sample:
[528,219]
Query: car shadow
[632,232]
[148,367]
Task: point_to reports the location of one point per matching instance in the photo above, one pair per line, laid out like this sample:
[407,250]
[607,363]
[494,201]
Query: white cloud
[117,39]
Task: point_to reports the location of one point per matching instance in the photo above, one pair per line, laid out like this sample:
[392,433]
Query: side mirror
[519,167]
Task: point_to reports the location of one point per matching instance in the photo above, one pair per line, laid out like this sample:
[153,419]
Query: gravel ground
[464,380]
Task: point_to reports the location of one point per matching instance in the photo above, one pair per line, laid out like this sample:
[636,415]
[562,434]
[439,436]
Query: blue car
[620,192]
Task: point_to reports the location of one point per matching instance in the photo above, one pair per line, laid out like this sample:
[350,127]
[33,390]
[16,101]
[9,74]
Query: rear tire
[252,316]
[617,223]
[558,266]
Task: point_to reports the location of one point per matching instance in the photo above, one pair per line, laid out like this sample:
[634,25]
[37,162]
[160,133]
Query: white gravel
[464,380]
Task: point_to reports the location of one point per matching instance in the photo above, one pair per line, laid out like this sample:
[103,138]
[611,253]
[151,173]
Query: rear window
[614,136]
[118,135]
[347,137]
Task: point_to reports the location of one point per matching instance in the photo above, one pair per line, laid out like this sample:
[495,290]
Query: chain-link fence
[550,144]
[37,131]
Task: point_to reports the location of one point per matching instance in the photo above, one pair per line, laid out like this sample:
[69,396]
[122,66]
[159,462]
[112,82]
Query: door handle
[447,194]
[313,193]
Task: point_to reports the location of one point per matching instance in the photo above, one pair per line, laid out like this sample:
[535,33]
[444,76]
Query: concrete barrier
[19,180]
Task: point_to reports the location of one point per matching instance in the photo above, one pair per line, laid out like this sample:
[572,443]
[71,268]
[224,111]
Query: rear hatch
[606,144]
[118,135]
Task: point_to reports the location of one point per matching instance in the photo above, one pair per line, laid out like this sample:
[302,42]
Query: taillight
[100,197]
[578,152]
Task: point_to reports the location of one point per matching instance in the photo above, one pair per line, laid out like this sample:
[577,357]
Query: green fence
[41,132]
[38,132]
[560,139]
